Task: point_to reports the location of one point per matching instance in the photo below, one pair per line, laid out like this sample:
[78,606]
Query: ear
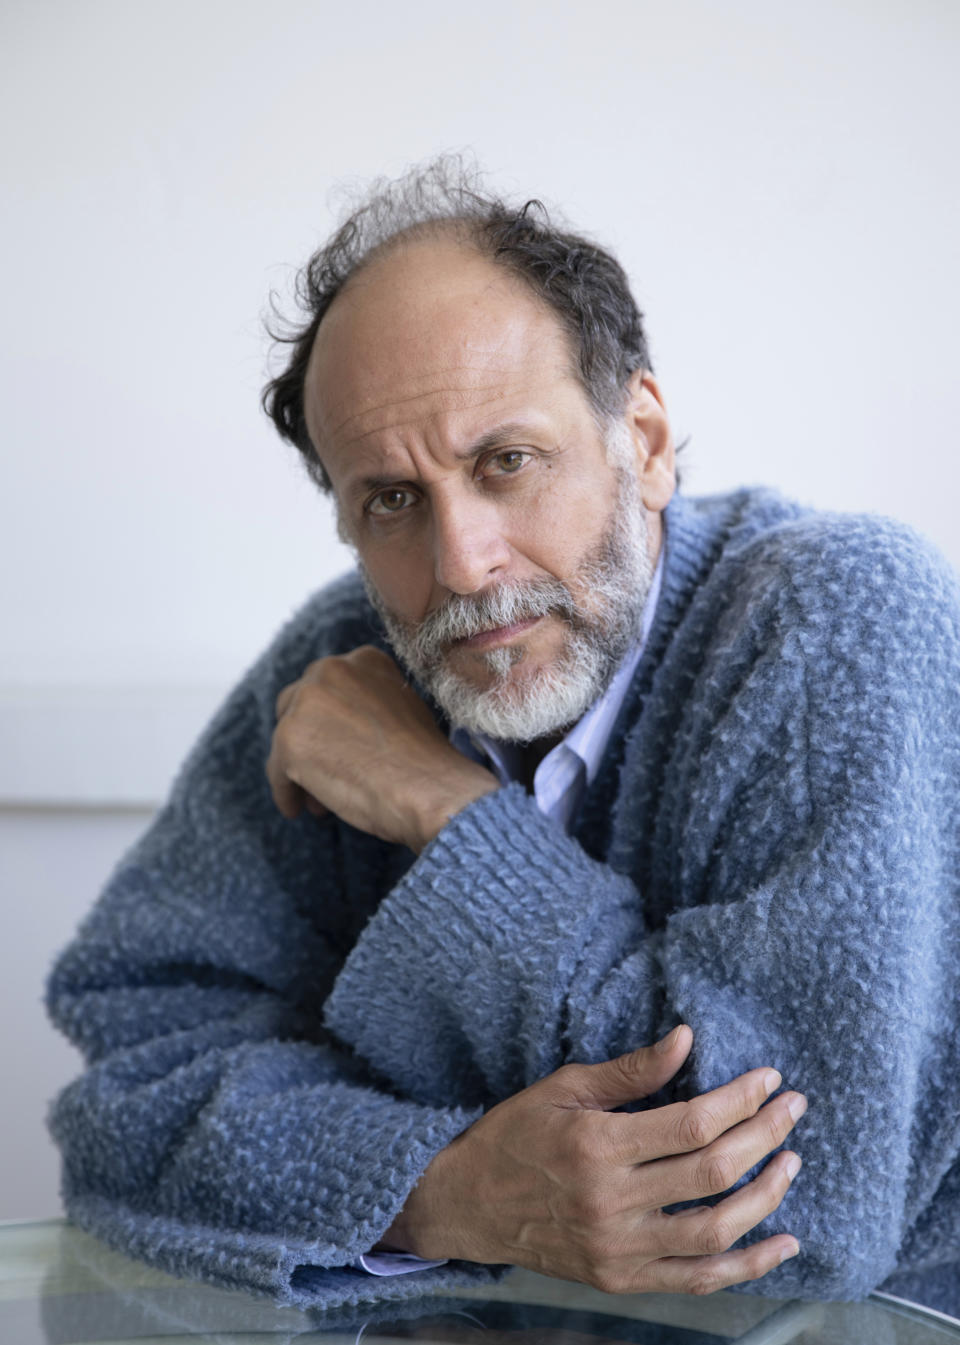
[646,419]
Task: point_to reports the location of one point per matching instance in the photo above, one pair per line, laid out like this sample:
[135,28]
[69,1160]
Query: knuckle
[593,1207]
[325,672]
[367,657]
[752,1265]
[773,1192]
[574,1080]
[696,1126]
[643,1280]
[314,671]
[313,690]
[718,1172]
[621,1071]
[571,1088]
[718,1235]
[609,1280]
[565,1078]
[581,1147]
[704,1280]
[779,1124]
[594,1129]
[312,704]
[755,1271]
[286,736]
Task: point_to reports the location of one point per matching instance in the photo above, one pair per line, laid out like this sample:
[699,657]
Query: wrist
[413,1229]
[435,808]
[439,1216]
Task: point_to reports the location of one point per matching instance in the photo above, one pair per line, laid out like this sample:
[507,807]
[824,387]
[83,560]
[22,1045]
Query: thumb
[638,1074]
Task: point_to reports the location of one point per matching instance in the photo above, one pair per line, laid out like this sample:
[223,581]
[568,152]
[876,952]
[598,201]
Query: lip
[489,639]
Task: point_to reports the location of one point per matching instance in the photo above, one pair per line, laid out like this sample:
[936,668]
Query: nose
[470,550]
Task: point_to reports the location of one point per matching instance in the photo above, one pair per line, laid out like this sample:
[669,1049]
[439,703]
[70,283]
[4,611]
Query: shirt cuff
[394,1263]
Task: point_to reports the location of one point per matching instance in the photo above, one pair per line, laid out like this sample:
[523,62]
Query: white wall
[780,180]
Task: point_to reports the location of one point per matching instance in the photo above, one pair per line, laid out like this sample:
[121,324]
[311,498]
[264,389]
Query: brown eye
[391,501]
[510,460]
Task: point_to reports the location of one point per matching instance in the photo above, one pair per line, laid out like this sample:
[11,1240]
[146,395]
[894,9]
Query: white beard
[616,575]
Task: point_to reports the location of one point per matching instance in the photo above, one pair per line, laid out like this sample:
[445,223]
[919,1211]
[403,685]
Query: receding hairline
[465,234]
[577,280]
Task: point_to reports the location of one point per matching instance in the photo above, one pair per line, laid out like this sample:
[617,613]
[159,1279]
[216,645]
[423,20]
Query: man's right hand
[551,1180]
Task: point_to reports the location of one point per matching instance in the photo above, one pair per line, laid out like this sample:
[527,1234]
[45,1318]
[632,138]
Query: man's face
[472,479]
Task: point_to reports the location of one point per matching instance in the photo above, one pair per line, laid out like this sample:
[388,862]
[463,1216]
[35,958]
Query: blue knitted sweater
[285,1021]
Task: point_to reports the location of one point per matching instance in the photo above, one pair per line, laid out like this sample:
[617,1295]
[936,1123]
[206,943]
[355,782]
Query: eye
[507,462]
[391,501]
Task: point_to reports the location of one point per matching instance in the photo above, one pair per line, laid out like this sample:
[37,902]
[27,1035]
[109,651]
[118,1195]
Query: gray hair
[581,282]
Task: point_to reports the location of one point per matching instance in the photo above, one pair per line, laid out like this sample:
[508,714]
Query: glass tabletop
[59,1286]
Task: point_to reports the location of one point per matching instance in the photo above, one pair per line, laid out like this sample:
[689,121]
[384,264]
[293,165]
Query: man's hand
[552,1181]
[354,738]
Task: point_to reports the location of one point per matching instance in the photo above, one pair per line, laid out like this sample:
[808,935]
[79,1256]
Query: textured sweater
[285,1021]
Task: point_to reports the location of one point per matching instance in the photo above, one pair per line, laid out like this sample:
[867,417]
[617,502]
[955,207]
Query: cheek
[404,582]
[563,523]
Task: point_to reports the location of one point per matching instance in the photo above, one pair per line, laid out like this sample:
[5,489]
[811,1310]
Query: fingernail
[666,1043]
[797,1105]
[794,1164]
[787,1252]
[772,1081]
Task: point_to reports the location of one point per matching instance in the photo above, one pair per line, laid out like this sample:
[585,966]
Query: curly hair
[580,281]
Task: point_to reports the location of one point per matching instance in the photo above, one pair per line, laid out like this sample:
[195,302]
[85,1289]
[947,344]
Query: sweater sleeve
[217,1131]
[807,830]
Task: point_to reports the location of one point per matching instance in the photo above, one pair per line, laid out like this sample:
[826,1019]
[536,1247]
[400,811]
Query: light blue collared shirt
[559,784]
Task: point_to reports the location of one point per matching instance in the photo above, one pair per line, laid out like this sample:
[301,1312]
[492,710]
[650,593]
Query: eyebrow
[509,432]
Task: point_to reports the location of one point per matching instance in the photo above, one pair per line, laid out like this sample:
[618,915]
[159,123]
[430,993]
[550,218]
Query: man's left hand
[355,739]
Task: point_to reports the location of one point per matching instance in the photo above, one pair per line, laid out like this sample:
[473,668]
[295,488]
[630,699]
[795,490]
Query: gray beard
[616,575]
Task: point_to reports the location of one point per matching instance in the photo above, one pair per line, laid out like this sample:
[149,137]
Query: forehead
[434,336]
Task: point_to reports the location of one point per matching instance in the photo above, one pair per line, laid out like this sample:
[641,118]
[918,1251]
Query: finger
[288,797]
[284,698]
[719,1165]
[707,1274]
[709,1230]
[369,656]
[313,806]
[626,1078]
[685,1126]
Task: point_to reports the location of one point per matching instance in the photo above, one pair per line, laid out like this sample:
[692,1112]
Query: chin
[494,668]
[523,702]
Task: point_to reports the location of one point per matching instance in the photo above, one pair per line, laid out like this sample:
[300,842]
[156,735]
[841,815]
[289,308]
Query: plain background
[780,180]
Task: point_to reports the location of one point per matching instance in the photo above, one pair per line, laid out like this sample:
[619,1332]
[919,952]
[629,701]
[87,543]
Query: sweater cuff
[501,899]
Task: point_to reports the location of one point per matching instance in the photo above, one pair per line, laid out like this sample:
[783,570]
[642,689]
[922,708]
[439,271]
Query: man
[626,765]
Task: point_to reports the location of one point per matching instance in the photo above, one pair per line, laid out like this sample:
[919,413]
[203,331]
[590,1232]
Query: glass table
[59,1286]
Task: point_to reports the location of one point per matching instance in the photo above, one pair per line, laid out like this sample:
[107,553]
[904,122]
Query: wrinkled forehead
[433,325]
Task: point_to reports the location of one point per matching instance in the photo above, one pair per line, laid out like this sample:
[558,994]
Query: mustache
[464,615]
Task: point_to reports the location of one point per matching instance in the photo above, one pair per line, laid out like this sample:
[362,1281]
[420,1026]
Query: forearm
[270,1143]
[498,972]
[497,939]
